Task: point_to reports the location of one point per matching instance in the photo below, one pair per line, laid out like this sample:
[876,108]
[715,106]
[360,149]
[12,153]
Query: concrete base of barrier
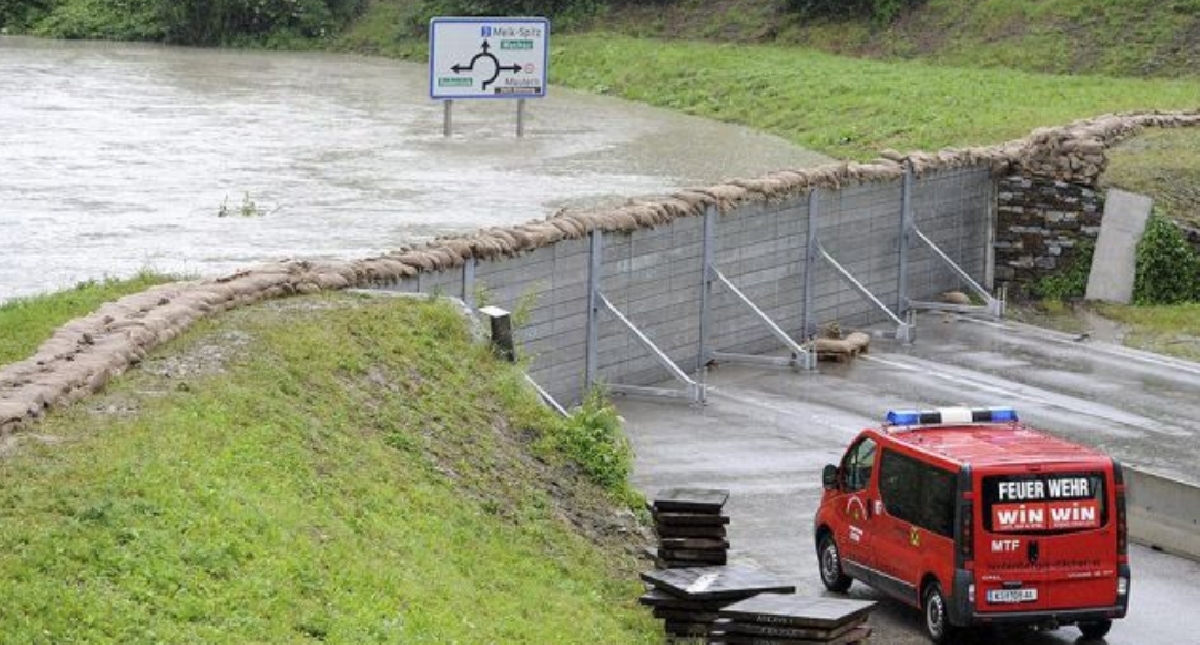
[1163,513]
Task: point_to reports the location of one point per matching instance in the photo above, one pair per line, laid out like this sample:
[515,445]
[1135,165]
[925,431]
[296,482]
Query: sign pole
[520,118]
[446,107]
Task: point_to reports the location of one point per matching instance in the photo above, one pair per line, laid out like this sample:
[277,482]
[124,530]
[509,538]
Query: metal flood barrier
[733,289]
[801,356]
[693,391]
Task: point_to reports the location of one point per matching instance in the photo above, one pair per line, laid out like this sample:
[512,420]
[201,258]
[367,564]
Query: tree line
[225,22]
[187,22]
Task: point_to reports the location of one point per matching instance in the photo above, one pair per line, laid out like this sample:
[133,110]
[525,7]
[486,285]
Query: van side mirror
[829,477]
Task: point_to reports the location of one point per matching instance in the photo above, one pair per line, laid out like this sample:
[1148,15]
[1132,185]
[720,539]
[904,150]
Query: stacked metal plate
[689,600]
[792,620]
[691,527]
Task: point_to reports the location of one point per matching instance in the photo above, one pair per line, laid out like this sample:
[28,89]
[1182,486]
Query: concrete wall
[1163,513]
[654,276]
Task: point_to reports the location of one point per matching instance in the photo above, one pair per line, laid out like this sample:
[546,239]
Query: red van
[977,519]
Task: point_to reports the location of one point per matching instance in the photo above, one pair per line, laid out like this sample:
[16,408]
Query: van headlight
[1122,585]
[971,593]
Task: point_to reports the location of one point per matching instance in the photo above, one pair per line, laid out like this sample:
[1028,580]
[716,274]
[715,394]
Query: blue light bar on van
[942,416]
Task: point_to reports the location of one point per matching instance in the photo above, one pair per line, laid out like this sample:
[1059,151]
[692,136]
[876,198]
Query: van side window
[916,492]
[857,465]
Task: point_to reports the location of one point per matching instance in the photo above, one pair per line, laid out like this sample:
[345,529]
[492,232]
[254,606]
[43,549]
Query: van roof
[992,444]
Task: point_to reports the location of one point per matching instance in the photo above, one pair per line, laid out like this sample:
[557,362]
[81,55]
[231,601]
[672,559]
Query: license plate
[1012,595]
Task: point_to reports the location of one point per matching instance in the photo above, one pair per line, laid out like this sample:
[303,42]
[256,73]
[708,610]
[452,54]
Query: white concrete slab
[1114,263]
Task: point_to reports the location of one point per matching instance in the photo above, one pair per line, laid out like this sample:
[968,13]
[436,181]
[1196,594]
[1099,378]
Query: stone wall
[1050,204]
[1040,223]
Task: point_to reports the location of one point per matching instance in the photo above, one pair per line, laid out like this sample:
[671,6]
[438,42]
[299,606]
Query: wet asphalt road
[765,435]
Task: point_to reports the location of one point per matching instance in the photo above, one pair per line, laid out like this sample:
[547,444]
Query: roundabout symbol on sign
[496,66]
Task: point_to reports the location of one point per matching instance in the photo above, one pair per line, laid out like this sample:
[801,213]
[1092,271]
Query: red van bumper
[963,614]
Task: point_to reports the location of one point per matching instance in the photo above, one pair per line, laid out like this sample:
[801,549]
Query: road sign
[488,58]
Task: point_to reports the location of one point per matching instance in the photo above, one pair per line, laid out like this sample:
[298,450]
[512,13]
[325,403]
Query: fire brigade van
[977,519]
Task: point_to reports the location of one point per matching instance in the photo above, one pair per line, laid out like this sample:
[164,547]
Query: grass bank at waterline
[25,323]
[329,468]
[845,107]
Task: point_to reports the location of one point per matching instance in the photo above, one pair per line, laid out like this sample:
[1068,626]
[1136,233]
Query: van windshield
[1044,503]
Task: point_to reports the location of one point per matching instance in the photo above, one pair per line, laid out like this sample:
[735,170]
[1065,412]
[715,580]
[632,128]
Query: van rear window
[1044,503]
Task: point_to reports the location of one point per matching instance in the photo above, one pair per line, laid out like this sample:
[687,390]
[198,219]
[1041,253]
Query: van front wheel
[830,562]
[1095,631]
[937,621]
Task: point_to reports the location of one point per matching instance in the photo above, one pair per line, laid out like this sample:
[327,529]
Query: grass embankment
[1115,37]
[1164,164]
[849,108]
[1173,330]
[27,322]
[328,468]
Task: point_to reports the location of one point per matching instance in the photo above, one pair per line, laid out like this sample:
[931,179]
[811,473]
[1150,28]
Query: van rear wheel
[937,621]
[830,562]
[1096,630]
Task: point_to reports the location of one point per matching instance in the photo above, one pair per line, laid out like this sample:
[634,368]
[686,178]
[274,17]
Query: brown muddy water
[116,158]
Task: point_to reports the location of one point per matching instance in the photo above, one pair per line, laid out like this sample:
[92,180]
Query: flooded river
[116,158]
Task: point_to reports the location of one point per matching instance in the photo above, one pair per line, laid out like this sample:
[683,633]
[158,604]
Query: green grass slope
[848,107]
[1164,164]
[328,468]
[1113,37]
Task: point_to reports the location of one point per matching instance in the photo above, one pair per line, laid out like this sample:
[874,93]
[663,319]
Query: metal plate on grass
[730,626]
[685,615]
[673,531]
[660,599]
[687,628]
[664,518]
[692,554]
[694,543]
[691,499]
[856,635]
[798,611]
[732,581]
